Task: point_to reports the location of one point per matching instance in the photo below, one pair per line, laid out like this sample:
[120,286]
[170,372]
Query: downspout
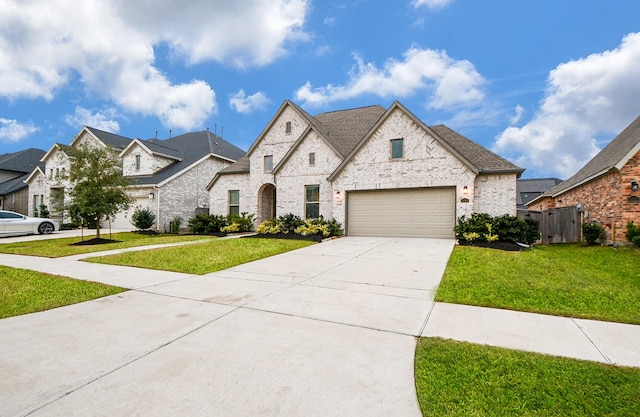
[157,190]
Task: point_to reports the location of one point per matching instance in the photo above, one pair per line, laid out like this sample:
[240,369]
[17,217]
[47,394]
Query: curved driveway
[328,330]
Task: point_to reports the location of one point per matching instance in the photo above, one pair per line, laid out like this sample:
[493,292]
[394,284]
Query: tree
[142,218]
[98,185]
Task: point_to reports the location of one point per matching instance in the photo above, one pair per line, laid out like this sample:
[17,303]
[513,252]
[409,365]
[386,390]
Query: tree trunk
[98,229]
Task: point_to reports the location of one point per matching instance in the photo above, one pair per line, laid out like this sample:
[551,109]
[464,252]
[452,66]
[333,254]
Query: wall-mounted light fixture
[465,190]
[634,186]
[152,196]
[337,193]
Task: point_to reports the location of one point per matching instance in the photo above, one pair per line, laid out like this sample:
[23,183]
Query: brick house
[14,170]
[606,188]
[168,177]
[380,172]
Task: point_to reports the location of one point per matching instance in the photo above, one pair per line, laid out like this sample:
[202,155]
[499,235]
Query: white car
[15,224]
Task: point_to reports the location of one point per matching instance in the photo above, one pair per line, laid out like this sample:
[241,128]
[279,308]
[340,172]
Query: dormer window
[137,162]
[287,127]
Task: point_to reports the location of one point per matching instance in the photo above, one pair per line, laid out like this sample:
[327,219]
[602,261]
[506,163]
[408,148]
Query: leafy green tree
[98,185]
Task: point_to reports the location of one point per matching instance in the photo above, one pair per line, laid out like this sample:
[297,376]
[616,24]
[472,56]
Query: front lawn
[594,282]
[206,257]
[54,248]
[463,379]
[23,291]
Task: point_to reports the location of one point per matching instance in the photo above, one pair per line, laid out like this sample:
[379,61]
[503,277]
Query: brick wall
[607,200]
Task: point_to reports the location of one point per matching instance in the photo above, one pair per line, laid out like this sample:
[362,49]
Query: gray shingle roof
[604,161]
[190,148]
[110,139]
[530,188]
[241,166]
[13,185]
[482,158]
[345,128]
[22,161]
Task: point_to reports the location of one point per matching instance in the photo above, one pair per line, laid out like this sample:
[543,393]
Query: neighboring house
[14,170]
[168,177]
[380,172]
[606,188]
[530,188]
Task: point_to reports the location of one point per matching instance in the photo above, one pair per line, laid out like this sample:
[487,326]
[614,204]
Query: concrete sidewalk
[325,330]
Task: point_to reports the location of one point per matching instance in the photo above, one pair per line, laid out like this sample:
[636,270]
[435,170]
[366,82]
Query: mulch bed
[508,246]
[95,241]
[314,238]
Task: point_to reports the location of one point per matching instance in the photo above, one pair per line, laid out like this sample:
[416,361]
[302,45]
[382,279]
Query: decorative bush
[206,223]
[314,227]
[482,227]
[591,232]
[142,218]
[633,233]
[242,222]
[175,224]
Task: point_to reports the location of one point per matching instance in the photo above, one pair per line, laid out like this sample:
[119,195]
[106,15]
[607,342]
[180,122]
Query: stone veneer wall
[495,194]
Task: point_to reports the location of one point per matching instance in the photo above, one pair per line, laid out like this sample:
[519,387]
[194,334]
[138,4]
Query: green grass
[54,248]
[594,282]
[23,291]
[205,257]
[462,379]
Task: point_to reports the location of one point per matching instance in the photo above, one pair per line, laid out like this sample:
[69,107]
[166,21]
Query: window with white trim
[312,201]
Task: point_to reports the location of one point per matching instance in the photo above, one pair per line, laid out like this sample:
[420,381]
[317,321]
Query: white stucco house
[168,176]
[380,172]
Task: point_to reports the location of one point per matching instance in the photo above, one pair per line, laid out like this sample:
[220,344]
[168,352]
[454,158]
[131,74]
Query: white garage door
[123,219]
[420,212]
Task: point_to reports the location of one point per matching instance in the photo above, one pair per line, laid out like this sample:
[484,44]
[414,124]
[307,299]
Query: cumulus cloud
[104,119]
[13,131]
[109,46]
[432,4]
[586,99]
[244,104]
[451,83]
[519,112]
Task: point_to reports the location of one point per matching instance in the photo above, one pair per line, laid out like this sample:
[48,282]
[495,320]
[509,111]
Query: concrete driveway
[328,330]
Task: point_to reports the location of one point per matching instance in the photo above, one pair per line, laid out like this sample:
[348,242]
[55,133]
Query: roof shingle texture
[605,160]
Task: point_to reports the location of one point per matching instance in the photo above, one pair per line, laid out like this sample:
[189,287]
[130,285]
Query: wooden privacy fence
[557,225]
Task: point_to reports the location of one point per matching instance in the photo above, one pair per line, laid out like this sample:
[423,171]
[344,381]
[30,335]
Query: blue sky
[543,83]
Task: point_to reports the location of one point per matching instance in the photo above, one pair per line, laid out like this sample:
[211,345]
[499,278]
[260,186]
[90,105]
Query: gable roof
[530,188]
[109,139]
[21,161]
[614,156]
[478,158]
[188,149]
[13,185]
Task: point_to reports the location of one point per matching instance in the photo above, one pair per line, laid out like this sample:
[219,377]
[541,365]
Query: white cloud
[519,112]
[108,45]
[13,131]
[587,98]
[452,83]
[432,4]
[244,104]
[102,119]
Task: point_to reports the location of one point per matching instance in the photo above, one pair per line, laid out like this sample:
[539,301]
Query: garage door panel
[426,212]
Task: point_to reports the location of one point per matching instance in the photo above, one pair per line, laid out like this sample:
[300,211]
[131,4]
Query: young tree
[98,185]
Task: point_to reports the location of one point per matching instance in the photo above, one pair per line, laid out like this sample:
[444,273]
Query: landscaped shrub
[142,218]
[633,233]
[242,222]
[482,227]
[206,223]
[313,227]
[175,224]
[591,232]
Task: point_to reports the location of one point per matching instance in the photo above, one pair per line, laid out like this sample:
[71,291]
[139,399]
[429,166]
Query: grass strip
[206,257]
[593,282]
[463,379]
[54,248]
[23,291]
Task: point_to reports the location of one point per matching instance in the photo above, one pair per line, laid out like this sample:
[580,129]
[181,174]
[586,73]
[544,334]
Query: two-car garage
[413,212]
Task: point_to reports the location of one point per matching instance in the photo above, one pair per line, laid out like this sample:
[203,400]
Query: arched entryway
[266,202]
